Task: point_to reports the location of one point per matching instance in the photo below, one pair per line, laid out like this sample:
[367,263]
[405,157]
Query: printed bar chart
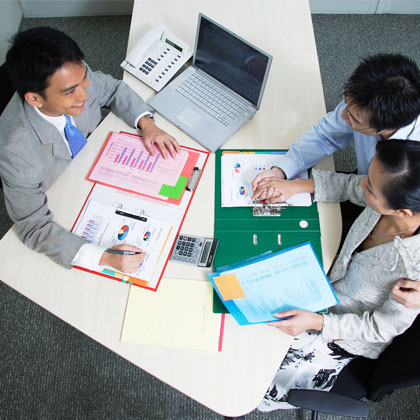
[147,164]
[91,228]
[126,163]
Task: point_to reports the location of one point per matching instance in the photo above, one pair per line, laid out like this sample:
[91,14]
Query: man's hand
[274,172]
[124,263]
[154,135]
[407,292]
[298,321]
[274,190]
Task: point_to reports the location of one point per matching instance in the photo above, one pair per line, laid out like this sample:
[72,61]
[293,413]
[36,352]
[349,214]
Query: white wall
[399,6]
[365,6]
[61,8]
[65,8]
[11,10]
[342,6]
[10,18]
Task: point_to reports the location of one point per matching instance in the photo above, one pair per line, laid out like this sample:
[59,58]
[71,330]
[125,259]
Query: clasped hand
[272,187]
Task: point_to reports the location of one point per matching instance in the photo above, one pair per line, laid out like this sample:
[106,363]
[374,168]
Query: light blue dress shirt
[333,133]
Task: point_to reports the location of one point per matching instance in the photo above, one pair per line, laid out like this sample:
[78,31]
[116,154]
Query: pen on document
[122,252]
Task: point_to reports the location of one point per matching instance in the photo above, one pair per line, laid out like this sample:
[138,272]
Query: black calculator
[194,250]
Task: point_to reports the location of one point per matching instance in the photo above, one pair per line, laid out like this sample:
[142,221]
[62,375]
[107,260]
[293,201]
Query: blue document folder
[292,278]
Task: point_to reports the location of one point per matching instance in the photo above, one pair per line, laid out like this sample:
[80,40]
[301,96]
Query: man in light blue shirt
[381,101]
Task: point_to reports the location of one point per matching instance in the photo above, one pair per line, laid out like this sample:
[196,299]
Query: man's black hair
[36,54]
[401,158]
[387,88]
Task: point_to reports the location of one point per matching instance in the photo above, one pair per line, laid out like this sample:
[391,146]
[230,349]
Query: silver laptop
[222,89]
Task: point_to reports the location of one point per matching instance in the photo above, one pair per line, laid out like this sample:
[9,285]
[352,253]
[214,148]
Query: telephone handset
[157,57]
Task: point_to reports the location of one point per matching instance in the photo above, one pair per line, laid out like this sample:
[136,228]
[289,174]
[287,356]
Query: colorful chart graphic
[124,162]
[241,191]
[123,232]
[140,160]
[91,227]
[237,168]
[146,236]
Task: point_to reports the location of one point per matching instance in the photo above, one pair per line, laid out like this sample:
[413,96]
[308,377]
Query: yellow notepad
[178,315]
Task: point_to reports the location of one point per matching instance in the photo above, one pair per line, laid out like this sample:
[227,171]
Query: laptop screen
[231,60]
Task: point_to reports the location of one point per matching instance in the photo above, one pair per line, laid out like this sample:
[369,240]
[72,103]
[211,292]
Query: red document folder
[167,211]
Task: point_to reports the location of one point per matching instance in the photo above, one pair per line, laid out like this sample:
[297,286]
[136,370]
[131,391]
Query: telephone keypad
[160,61]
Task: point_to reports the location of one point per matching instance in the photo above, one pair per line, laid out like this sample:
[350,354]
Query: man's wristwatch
[147,115]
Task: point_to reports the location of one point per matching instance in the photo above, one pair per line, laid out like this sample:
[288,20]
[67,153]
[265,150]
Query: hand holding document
[274,282]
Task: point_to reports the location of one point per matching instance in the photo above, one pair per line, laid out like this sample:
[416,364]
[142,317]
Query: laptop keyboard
[210,98]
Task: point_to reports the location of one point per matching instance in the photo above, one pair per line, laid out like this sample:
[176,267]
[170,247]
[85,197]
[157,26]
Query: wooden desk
[95,305]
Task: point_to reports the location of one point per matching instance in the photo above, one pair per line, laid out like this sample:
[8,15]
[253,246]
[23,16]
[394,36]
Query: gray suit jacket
[33,155]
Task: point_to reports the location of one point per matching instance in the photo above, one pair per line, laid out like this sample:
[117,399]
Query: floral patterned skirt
[310,363]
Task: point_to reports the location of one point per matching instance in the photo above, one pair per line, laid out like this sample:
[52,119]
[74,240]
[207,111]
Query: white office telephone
[157,57]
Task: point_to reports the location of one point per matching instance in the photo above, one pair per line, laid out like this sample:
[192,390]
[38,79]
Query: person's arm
[27,206]
[91,255]
[153,135]
[331,133]
[380,325]
[407,292]
[327,186]
[127,105]
[274,190]
[332,187]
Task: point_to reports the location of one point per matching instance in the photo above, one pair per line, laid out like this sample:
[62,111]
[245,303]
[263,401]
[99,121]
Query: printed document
[239,170]
[101,225]
[125,163]
[276,282]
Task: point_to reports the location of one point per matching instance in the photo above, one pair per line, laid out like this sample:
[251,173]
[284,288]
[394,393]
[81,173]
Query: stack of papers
[274,282]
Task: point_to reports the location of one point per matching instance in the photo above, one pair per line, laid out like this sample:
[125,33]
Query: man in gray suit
[56,106]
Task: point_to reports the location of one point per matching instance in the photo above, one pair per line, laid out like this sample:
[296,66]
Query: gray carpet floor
[51,371]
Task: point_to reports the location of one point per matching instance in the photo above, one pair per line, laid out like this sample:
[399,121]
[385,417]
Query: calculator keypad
[187,249]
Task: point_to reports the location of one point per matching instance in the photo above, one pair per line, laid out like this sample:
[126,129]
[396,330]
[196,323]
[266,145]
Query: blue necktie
[75,138]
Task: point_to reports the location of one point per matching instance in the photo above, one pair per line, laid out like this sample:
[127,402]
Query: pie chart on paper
[123,232]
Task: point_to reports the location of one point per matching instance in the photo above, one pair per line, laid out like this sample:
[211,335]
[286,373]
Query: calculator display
[205,253]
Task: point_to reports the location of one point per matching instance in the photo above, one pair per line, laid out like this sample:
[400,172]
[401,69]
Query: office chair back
[397,367]
[6,93]
[6,88]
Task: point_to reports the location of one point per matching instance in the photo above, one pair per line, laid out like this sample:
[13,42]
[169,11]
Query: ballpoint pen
[122,252]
